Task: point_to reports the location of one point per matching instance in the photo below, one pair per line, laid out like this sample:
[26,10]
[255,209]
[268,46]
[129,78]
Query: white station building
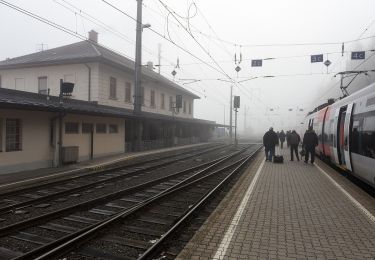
[97,119]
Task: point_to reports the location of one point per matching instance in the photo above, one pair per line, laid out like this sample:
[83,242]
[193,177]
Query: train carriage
[346,133]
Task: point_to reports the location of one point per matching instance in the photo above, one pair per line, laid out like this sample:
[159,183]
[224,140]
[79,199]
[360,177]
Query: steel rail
[90,185]
[45,217]
[159,243]
[116,166]
[49,250]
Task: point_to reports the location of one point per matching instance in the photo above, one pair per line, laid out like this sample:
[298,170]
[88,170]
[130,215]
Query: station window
[13,135]
[128,92]
[162,101]
[101,128]
[152,98]
[170,103]
[71,128]
[189,108]
[184,107]
[42,85]
[87,128]
[113,129]
[142,96]
[112,88]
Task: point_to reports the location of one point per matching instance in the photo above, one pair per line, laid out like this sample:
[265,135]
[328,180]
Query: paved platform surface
[288,211]
[10,180]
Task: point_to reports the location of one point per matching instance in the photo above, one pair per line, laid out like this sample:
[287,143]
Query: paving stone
[294,212]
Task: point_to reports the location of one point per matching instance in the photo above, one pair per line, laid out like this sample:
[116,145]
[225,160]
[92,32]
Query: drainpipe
[89,87]
[60,116]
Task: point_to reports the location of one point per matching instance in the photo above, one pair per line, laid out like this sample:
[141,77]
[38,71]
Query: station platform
[10,181]
[288,211]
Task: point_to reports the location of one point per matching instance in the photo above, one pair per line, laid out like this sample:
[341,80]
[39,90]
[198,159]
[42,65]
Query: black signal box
[236,102]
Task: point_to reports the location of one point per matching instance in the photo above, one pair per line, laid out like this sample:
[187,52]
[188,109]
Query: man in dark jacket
[310,141]
[294,142]
[270,139]
[282,138]
[288,138]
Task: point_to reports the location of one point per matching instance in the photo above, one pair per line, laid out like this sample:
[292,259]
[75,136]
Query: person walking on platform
[282,139]
[310,141]
[287,137]
[294,142]
[270,139]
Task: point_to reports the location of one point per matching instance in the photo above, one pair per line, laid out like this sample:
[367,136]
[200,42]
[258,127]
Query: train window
[369,124]
[370,102]
[362,140]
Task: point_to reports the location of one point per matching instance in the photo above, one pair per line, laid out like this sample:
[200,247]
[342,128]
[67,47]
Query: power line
[331,88]
[200,45]
[165,38]
[57,26]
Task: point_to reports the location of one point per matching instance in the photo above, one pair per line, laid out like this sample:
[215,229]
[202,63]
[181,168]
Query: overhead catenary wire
[229,77]
[85,15]
[199,44]
[57,26]
[162,36]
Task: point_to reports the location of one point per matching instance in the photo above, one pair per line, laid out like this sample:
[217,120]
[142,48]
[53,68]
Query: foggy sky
[298,83]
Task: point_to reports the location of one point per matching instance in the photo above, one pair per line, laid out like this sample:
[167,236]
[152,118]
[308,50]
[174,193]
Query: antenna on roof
[41,47]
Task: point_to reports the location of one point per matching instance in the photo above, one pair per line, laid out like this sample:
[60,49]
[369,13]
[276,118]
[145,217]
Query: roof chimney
[150,65]
[93,36]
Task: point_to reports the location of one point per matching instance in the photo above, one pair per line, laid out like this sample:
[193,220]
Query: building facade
[97,120]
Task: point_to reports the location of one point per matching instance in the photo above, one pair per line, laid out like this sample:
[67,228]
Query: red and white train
[346,131]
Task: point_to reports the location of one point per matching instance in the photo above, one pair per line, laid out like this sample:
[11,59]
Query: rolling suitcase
[278,158]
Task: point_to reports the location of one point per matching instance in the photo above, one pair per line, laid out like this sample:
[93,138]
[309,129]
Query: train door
[335,136]
[347,130]
[340,135]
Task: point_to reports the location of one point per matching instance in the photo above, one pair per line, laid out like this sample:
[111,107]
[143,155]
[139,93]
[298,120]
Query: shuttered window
[162,101]
[13,134]
[128,92]
[101,128]
[42,85]
[152,98]
[112,88]
[113,129]
[71,128]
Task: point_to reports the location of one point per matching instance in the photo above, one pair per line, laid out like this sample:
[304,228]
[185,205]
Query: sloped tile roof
[10,98]
[85,51]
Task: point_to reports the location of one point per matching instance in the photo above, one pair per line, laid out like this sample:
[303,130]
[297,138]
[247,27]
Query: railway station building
[97,119]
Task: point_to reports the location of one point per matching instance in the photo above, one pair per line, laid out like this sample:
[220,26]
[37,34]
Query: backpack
[294,139]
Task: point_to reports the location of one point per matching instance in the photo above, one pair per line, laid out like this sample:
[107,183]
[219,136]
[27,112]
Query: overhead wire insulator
[178,63]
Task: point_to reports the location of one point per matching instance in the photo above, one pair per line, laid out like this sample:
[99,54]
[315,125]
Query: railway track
[39,199]
[25,236]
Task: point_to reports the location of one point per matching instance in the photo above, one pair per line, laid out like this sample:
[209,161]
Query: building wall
[26,79]
[106,72]
[104,143]
[36,149]
[39,150]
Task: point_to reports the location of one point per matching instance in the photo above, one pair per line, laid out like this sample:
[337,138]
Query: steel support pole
[60,125]
[235,129]
[230,114]
[138,60]
[138,76]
